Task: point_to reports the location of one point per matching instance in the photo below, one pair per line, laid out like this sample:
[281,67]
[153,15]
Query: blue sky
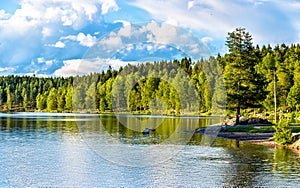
[67,37]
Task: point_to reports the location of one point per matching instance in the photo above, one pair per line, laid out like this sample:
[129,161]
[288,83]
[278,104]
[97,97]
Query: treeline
[170,87]
[27,93]
[280,64]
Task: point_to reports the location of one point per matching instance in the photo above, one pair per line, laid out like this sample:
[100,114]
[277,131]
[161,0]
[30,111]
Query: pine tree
[244,85]
[68,105]
[41,101]
[293,98]
[52,100]
[25,101]
[1,95]
[8,100]
[90,98]
[61,101]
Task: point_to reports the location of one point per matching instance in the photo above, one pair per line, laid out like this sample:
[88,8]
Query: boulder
[296,145]
[248,121]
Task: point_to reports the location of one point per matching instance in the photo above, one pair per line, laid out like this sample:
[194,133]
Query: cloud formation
[51,36]
[34,29]
[157,34]
[84,40]
[84,66]
[268,21]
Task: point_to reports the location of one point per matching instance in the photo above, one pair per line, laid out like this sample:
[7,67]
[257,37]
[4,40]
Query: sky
[67,37]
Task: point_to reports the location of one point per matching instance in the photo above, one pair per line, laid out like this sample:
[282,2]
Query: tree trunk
[275,99]
[238,111]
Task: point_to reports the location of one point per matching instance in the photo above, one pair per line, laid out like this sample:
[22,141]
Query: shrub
[283,133]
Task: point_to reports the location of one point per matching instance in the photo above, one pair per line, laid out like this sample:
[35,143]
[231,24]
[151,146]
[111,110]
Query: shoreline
[246,136]
[264,139]
[183,115]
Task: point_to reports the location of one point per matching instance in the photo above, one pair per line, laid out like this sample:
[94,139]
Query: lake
[85,150]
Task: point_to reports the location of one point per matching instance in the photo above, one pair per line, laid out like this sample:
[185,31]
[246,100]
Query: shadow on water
[236,164]
[126,129]
[38,125]
[255,165]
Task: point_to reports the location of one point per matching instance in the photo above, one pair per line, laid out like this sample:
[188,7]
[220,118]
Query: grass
[257,129]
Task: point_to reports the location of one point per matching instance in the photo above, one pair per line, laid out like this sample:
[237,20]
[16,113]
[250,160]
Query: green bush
[283,133]
[293,115]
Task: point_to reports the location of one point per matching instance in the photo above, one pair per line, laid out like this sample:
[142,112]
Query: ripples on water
[46,150]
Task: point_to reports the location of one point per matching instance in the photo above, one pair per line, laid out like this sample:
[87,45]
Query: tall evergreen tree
[243,83]
[9,100]
[293,98]
[69,94]
[52,100]
[41,101]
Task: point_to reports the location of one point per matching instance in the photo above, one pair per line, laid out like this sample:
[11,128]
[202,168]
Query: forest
[243,80]
[96,92]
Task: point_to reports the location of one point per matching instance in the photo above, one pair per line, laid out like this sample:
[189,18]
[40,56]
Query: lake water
[81,150]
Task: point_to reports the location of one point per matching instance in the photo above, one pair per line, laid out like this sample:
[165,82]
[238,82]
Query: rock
[248,121]
[148,130]
[296,145]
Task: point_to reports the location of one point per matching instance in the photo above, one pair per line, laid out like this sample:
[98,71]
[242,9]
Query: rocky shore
[247,121]
[265,139]
[245,136]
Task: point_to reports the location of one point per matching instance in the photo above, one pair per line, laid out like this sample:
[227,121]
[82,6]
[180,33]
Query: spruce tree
[244,85]
[52,100]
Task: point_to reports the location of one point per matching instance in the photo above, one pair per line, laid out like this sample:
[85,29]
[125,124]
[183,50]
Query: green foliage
[245,86]
[283,133]
[247,82]
[41,102]
[52,100]
[293,98]
[68,98]
[9,100]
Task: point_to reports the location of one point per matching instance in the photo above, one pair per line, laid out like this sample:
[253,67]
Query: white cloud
[111,43]
[107,5]
[178,10]
[206,39]
[36,25]
[191,4]
[124,22]
[59,44]
[84,40]
[40,60]
[86,66]
[153,32]
[34,14]
[70,68]
[49,62]
[46,32]
[3,14]
[267,21]
[7,69]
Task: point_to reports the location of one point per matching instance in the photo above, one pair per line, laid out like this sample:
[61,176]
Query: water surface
[71,150]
